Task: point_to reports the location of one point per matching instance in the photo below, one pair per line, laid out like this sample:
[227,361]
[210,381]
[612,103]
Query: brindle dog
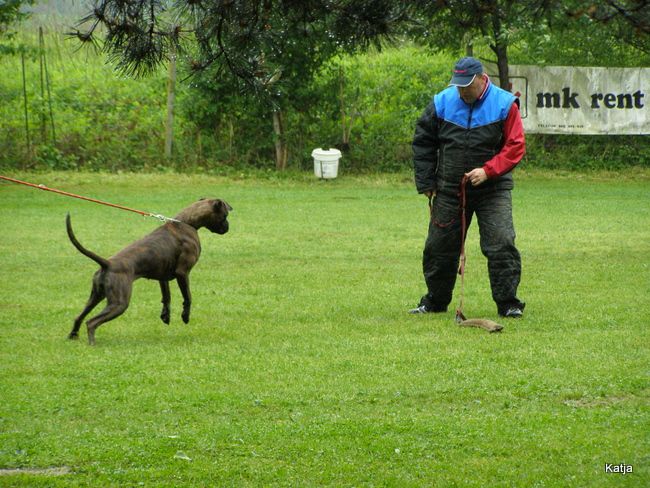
[167,253]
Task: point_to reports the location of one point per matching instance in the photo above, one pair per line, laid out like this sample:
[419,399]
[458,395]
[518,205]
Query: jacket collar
[485,89]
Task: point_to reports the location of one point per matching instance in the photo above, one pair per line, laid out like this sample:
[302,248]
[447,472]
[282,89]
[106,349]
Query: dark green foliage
[11,13]
[244,38]
[382,94]
[104,122]
[587,152]
[625,20]
[101,121]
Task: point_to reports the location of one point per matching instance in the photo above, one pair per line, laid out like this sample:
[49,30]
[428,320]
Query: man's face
[471,92]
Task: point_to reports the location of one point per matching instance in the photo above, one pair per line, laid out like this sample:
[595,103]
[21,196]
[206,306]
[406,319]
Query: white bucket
[326,162]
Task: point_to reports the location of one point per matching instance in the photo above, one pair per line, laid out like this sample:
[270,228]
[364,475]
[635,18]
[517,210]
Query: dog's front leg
[166,298]
[184,285]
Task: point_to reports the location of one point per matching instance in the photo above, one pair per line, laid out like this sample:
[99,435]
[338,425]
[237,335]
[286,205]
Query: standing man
[472,128]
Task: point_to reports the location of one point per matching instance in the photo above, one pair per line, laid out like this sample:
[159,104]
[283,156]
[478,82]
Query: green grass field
[300,366]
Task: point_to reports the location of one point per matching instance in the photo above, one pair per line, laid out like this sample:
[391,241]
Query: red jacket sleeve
[513,149]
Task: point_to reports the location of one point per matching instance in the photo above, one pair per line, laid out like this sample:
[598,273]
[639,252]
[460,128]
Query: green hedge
[100,120]
[587,152]
[106,122]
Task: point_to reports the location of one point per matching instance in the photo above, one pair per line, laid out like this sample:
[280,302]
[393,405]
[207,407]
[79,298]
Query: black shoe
[425,309]
[514,312]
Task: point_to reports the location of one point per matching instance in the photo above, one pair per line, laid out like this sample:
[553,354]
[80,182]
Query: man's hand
[477,176]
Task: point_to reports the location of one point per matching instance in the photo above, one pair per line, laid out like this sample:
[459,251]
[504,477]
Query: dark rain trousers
[493,210]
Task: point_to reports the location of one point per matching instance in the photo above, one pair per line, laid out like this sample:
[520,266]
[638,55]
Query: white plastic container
[326,162]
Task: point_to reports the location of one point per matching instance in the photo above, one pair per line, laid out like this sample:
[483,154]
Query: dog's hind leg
[96,296]
[109,313]
[166,298]
[118,295]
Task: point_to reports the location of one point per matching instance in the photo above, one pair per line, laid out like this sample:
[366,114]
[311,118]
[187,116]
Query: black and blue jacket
[453,137]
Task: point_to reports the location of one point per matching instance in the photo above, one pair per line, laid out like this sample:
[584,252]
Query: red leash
[461,270]
[60,192]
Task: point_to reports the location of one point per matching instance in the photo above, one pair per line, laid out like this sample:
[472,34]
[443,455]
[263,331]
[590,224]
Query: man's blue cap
[465,71]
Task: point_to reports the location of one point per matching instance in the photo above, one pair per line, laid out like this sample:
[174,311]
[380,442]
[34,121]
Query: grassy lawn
[301,367]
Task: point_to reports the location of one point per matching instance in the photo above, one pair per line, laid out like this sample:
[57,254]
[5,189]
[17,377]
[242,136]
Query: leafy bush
[586,152]
[365,104]
[382,93]
[389,91]
[100,120]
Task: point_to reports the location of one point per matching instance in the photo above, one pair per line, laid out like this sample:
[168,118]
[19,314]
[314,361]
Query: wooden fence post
[27,138]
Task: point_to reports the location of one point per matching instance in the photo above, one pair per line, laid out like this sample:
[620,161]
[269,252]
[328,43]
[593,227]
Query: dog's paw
[164,316]
[73,336]
[186,316]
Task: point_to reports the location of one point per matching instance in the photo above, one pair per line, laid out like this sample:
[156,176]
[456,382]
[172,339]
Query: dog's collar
[162,218]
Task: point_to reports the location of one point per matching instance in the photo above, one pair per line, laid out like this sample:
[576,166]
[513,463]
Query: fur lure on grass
[485,324]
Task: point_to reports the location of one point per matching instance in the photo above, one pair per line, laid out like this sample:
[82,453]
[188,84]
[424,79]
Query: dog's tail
[98,259]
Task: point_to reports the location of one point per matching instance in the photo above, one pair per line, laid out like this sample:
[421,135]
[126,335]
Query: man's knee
[498,241]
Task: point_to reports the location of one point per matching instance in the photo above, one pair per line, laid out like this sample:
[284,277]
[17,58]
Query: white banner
[575,100]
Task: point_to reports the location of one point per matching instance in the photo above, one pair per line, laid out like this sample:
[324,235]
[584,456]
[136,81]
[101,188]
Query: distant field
[300,366]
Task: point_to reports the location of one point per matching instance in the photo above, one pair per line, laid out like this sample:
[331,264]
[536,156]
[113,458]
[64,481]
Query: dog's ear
[222,206]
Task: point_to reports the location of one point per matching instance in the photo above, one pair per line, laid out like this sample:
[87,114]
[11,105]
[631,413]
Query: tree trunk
[171,95]
[502,63]
[281,150]
[469,44]
[348,113]
[500,48]
[199,147]
[345,134]
[231,138]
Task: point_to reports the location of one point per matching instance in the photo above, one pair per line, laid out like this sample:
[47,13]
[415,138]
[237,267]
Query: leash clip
[162,218]
[459,316]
